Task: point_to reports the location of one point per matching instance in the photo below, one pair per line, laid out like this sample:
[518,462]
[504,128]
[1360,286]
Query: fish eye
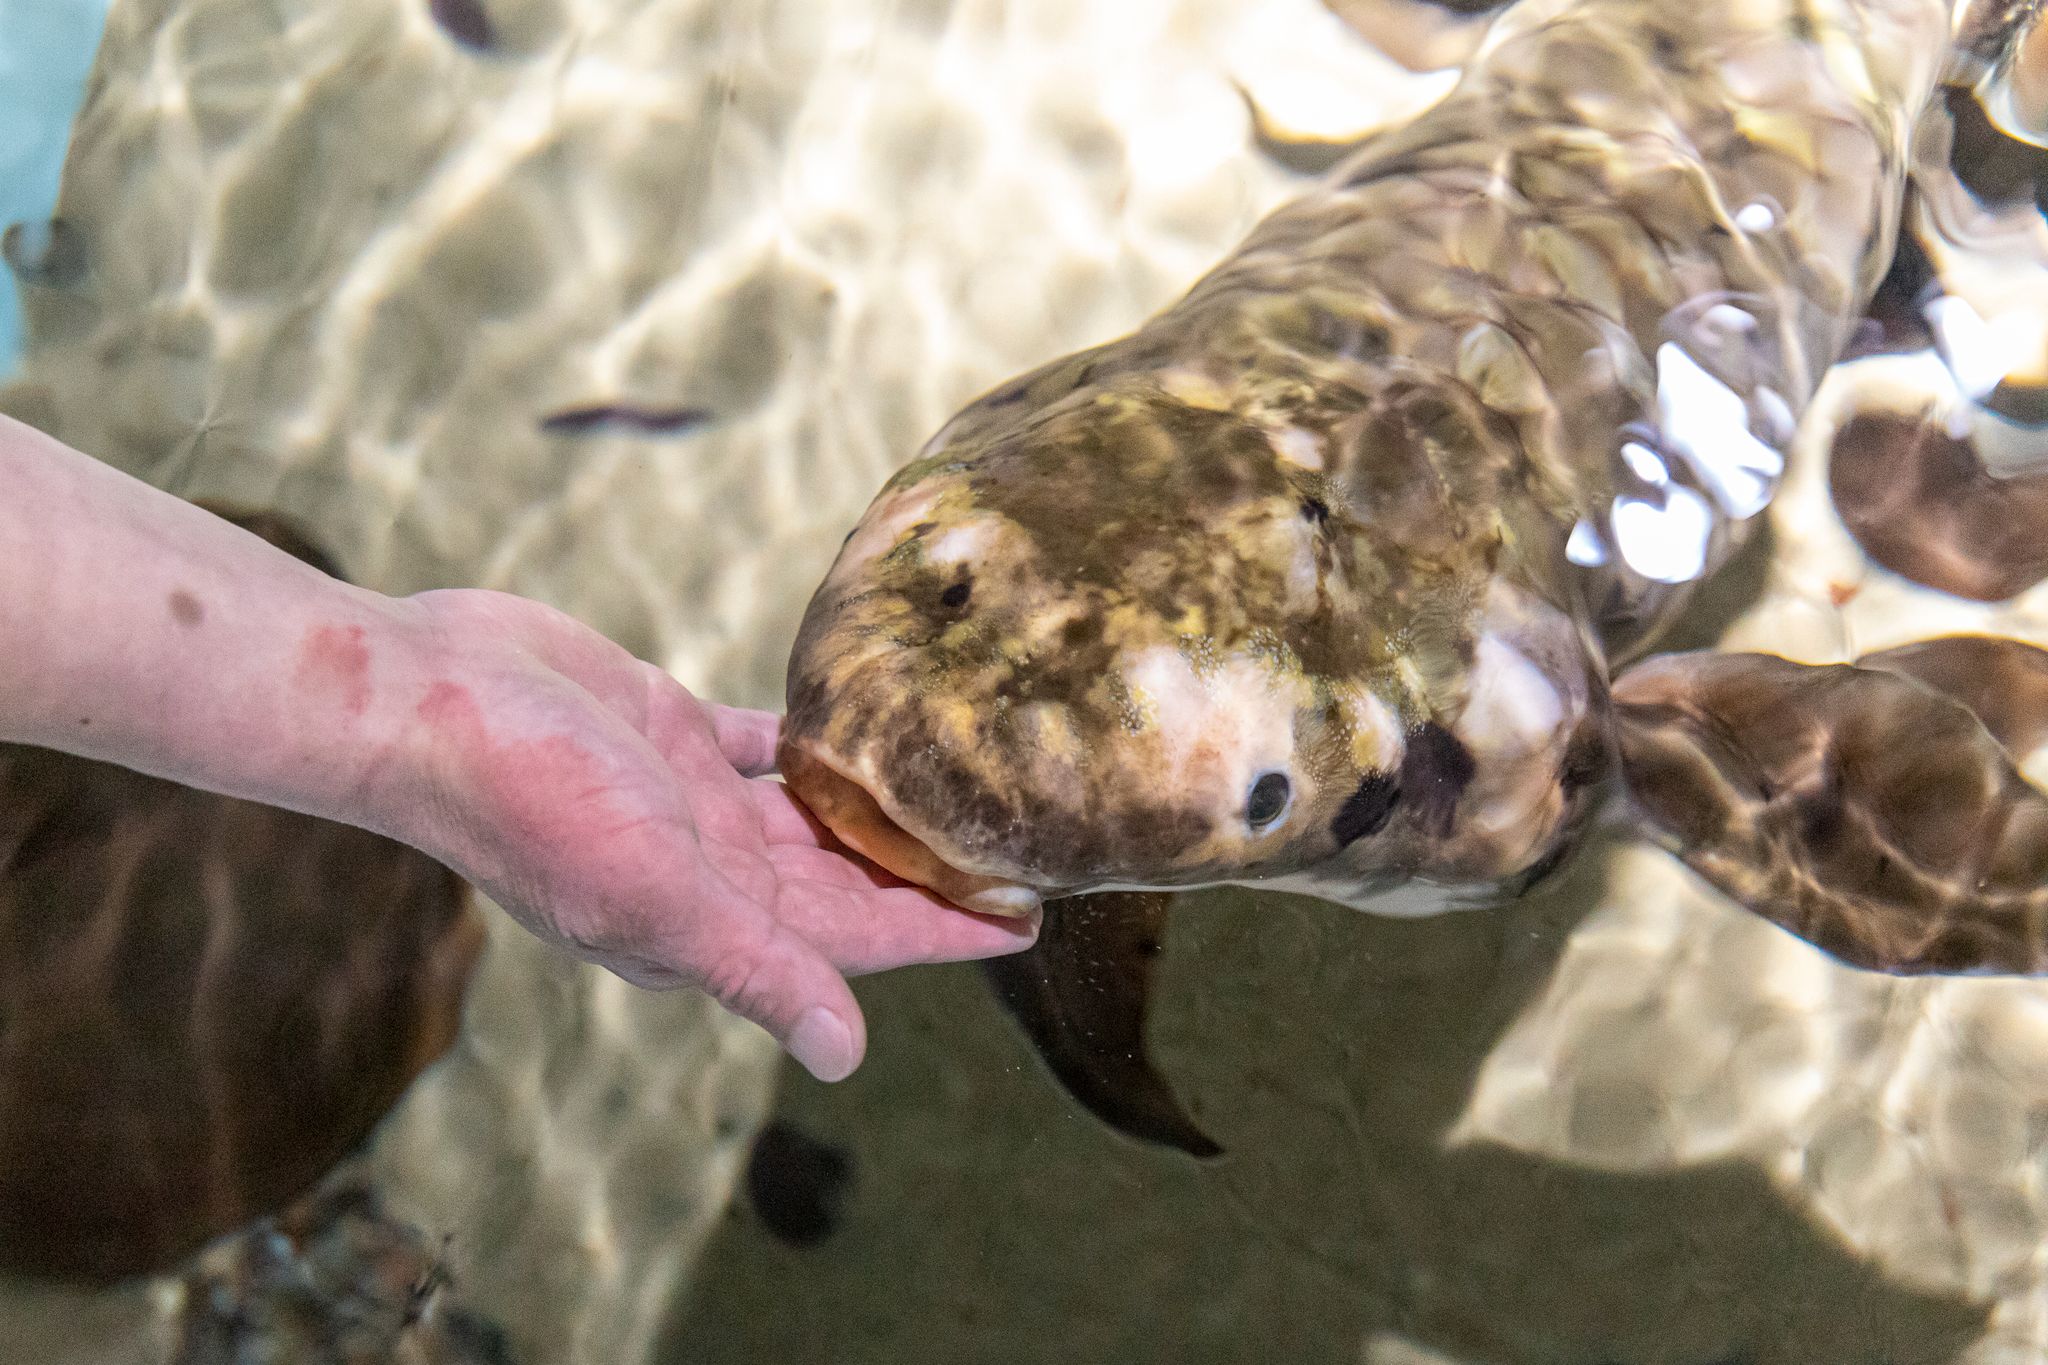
[1268,799]
[955,597]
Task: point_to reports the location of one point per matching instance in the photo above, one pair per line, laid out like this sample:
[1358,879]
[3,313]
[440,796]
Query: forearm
[137,628]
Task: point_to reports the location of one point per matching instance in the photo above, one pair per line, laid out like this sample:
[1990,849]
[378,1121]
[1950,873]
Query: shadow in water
[1329,1052]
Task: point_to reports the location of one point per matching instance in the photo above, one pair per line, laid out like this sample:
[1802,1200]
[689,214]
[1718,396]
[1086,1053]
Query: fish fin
[1860,808]
[1081,994]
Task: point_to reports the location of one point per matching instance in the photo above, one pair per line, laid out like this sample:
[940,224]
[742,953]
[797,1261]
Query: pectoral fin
[1081,995]
[1863,809]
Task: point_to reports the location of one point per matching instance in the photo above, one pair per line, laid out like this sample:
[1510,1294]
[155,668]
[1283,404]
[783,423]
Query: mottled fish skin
[1380,502]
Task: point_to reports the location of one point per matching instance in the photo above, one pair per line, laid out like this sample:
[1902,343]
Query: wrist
[407,761]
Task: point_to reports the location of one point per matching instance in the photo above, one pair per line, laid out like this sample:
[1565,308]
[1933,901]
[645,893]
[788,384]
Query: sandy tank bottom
[346,261]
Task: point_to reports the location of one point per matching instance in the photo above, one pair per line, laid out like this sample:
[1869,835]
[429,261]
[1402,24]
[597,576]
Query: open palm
[610,811]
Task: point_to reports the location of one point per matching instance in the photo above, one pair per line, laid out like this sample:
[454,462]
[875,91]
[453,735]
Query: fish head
[1134,639]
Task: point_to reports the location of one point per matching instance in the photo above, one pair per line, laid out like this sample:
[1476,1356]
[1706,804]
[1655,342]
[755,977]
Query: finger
[780,981]
[833,868]
[746,738]
[876,930]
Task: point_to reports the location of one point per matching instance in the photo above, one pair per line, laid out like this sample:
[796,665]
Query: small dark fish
[48,252]
[466,21]
[624,417]
[796,1183]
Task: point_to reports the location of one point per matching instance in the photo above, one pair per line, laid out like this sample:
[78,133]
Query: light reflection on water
[359,267]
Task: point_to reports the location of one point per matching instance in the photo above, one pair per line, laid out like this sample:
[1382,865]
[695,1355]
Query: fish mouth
[851,812]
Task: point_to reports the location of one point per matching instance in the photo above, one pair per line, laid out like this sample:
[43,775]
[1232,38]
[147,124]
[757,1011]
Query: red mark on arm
[334,664]
[447,705]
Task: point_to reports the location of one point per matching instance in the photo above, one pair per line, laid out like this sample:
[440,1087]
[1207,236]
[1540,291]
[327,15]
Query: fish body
[1373,509]
[1322,578]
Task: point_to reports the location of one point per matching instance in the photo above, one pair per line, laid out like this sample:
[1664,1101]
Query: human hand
[612,813]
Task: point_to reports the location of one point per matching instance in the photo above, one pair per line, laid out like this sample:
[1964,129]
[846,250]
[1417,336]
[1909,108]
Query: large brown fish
[1318,579]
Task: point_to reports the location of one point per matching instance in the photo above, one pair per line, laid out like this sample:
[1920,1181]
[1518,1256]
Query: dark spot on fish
[185,608]
[50,252]
[923,528]
[1316,510]
[1435,770]
[466,21]
[624,417]
[1366,810]
[955,597]
[796,1184]
[1268,799]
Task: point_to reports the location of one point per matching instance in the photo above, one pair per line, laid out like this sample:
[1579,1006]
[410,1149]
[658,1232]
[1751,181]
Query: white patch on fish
[1513,711]
[1510,704]
[1297,446]
[1218,728]
[961,543]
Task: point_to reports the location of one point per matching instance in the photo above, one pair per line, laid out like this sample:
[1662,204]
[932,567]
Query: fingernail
[822,1044]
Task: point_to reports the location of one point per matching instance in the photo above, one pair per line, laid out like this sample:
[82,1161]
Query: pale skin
[584,790]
